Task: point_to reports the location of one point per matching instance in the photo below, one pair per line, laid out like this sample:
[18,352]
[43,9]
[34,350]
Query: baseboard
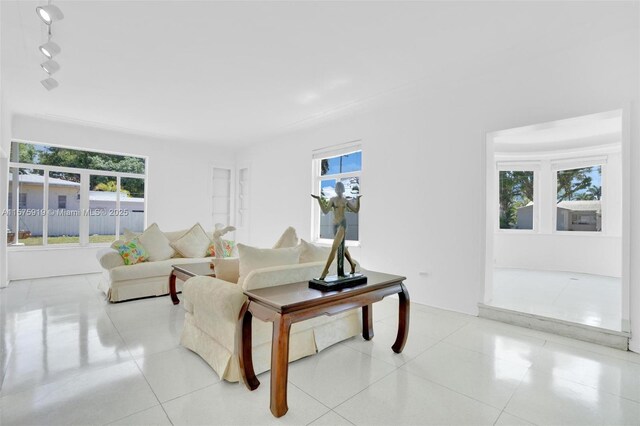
[601,336]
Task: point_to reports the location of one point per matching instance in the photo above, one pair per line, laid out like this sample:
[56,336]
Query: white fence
[68,223]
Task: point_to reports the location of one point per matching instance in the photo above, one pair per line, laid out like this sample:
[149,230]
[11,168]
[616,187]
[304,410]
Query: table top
[290,297]
[195,269]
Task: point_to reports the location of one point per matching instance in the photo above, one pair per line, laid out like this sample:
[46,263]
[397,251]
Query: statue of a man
[340,205]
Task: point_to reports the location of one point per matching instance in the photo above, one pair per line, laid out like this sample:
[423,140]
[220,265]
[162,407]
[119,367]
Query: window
[516,192]
[343,166]
[70,196]
[22,203]
[579,199]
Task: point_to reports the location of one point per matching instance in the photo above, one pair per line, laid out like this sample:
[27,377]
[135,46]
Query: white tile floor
[581,298]
[67,357]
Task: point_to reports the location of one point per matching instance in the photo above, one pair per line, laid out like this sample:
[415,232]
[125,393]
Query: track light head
[50,66]
[49,13]
[49,83]
[50,49]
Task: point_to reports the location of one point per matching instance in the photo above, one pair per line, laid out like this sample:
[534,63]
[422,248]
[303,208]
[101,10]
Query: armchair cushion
[252,258]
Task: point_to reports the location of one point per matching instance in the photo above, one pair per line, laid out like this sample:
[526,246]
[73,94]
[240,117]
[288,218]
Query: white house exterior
[574,215]
[64,207]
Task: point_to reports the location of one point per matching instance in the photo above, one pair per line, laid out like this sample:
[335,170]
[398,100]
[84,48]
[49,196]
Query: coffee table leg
[367,322]
[245,357]
[280,365]
[403,320]
[172,289]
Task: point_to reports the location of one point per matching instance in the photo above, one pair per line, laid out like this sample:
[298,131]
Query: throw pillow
[211,250]
[312,252]
[228,248]
[252,258]
[289,238]
[133,252]
[156,243]
[194,243]
[227,269]
[129,235]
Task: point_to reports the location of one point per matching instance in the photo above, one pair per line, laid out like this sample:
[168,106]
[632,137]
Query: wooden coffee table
[287,304]
[186,271]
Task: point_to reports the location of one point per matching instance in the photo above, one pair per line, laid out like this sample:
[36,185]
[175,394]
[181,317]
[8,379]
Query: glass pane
[342,164]
[25,207]
[64,222]
[102,208]
[131,205]
[516,200]
[327,190]
[65,157]
[579,198]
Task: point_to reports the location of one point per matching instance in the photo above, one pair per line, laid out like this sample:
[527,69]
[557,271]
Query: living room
[235,112]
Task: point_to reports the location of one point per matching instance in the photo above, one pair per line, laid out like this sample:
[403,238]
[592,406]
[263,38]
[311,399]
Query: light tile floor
[581,298]
[68,357]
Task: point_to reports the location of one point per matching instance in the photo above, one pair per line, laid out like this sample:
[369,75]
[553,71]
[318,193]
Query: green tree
[572,183]
[110,186]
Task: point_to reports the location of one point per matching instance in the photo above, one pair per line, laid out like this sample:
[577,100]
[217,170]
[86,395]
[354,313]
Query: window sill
[327,243]
[20,248]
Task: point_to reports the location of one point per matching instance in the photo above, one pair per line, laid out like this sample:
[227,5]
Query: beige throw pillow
[192,244]
[252,258]
[289,238]
[227,268]
[156,243]
[312,252]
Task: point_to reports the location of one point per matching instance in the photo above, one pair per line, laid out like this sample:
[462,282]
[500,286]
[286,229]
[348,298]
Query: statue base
[334,282]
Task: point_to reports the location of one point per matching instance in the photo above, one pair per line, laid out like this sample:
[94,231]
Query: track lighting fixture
[49,83]
[50,49]
[49,13]
[50,66]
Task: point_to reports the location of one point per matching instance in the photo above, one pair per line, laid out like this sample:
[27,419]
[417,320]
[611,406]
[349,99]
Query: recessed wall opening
[555,221]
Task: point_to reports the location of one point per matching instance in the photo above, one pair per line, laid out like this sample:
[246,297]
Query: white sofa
[123,282]
[213,307]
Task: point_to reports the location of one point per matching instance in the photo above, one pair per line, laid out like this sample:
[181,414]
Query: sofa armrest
[109,258]
[214,297]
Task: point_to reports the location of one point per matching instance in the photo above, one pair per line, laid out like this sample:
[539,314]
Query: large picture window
[329,168]
[579,199]
[69,196]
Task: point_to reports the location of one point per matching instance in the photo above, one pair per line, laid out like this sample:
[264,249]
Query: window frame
[85,175]
[580,163]
[317,178]
[518,166]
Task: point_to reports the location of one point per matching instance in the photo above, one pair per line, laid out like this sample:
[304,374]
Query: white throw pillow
[289,238]
[252,258]
[227,268]
[312,252]
[157,244]
[192,244]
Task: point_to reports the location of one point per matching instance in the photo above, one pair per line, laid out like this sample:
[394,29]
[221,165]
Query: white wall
[423,161]
[178,194]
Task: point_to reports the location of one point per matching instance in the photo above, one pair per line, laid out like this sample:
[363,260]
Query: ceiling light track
[49,14]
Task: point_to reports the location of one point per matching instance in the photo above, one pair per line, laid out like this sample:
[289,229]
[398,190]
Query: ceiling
[225,72]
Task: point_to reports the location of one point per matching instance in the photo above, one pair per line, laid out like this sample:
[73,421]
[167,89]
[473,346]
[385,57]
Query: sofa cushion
[174,235]
[313,253]
[289,238]
[252,258]
[145,270]
[227,269]
[156,243]
[133,252]
[194,243]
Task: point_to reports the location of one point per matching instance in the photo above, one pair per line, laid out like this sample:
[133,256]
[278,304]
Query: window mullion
[84,208]
[45,208]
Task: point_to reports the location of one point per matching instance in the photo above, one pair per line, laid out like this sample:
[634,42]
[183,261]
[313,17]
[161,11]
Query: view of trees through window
[516,199]
[54,190]
[579,196]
